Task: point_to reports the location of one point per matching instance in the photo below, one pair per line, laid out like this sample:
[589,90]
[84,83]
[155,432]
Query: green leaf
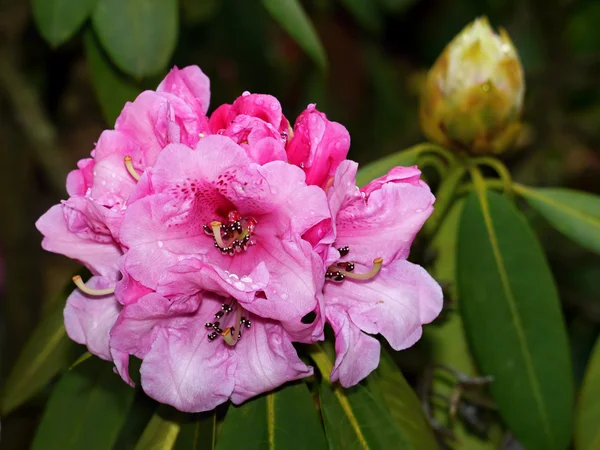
[199,433]
[446,338]
[87,408]
[293,19]
[402,403]
[587,429]
[366,13]
[58,20]
[138,35]
[575,214]
[47,352]
[113,89]
[382,166]
[285,419]
[512,316]
[162,430]
[356,418]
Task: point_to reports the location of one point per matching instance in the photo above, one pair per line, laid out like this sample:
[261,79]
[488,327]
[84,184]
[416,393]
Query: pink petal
[318,146]
[357,354]
[189,84]
[80,180]
[184,369]
[266,359]
[100,257]
[395,303]
[88,320]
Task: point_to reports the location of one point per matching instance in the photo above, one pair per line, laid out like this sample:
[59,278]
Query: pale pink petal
[395,303]
[80,179]
[357,354]
[398,174]
[88,319]
[184,369]
[266,359]
[100,257]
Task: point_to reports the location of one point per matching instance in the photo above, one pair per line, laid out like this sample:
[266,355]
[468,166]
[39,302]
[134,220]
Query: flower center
[231,334]
[345,269]
[235,235]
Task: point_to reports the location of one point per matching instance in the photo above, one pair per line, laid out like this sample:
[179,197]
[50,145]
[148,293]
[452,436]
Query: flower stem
[445,197]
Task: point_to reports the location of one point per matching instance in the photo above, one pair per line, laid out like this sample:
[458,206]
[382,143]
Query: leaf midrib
[481,195]
[560,206]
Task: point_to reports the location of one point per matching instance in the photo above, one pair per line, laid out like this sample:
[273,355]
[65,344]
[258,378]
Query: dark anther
[339,277]
[209,324]
[208,230]
[344,250]
[212,336]
[219,314]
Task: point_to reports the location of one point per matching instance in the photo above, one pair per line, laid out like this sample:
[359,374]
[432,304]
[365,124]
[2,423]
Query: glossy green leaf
[513,320]
[355,418]
[382,166]
[291,16]
[574,213]
[446,337]
[162,431]
[93,402]
[138,35]
[58,20]
[402,403]
[366,13]
[286,419]
[587,429]
[113,89]
[47,352]
[199,433]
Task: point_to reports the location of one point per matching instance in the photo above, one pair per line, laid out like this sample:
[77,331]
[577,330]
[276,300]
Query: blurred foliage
[66,70]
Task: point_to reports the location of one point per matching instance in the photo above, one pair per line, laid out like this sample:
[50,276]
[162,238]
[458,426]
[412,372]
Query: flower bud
[473,95]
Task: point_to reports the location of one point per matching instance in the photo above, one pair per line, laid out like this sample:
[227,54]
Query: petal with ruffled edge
[88,319]
[100,257]
[382,224]
[395,303]
[266,359]
[357,354]
[184,369]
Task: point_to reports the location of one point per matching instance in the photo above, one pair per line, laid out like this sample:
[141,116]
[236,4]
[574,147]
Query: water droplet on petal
[259,101]
[160,244]
[245,94]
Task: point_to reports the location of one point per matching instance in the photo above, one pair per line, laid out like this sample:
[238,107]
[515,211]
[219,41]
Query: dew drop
[245,94]
[160,244]
[259,101]
[274,106]
[103,182]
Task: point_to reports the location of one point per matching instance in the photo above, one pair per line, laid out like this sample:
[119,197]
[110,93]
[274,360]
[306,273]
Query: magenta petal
[318,146]
[357,354]
[395,303]
[184,369]
[88,320]
[266,359]
[100,257]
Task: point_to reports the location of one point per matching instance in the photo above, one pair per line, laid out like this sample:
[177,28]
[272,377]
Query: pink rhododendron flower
[211,240]
[371,286]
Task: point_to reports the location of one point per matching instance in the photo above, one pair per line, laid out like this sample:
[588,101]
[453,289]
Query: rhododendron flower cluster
[217,242]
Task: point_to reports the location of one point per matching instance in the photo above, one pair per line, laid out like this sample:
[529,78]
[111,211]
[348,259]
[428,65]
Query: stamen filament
[377,262]
[232,334]
[91,291]
[131,169]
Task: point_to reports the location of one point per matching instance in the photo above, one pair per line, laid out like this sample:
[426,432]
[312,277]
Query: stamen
[91,291]
[339,274]
[231,334]
[131,169]
[343,250]
[216,228]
